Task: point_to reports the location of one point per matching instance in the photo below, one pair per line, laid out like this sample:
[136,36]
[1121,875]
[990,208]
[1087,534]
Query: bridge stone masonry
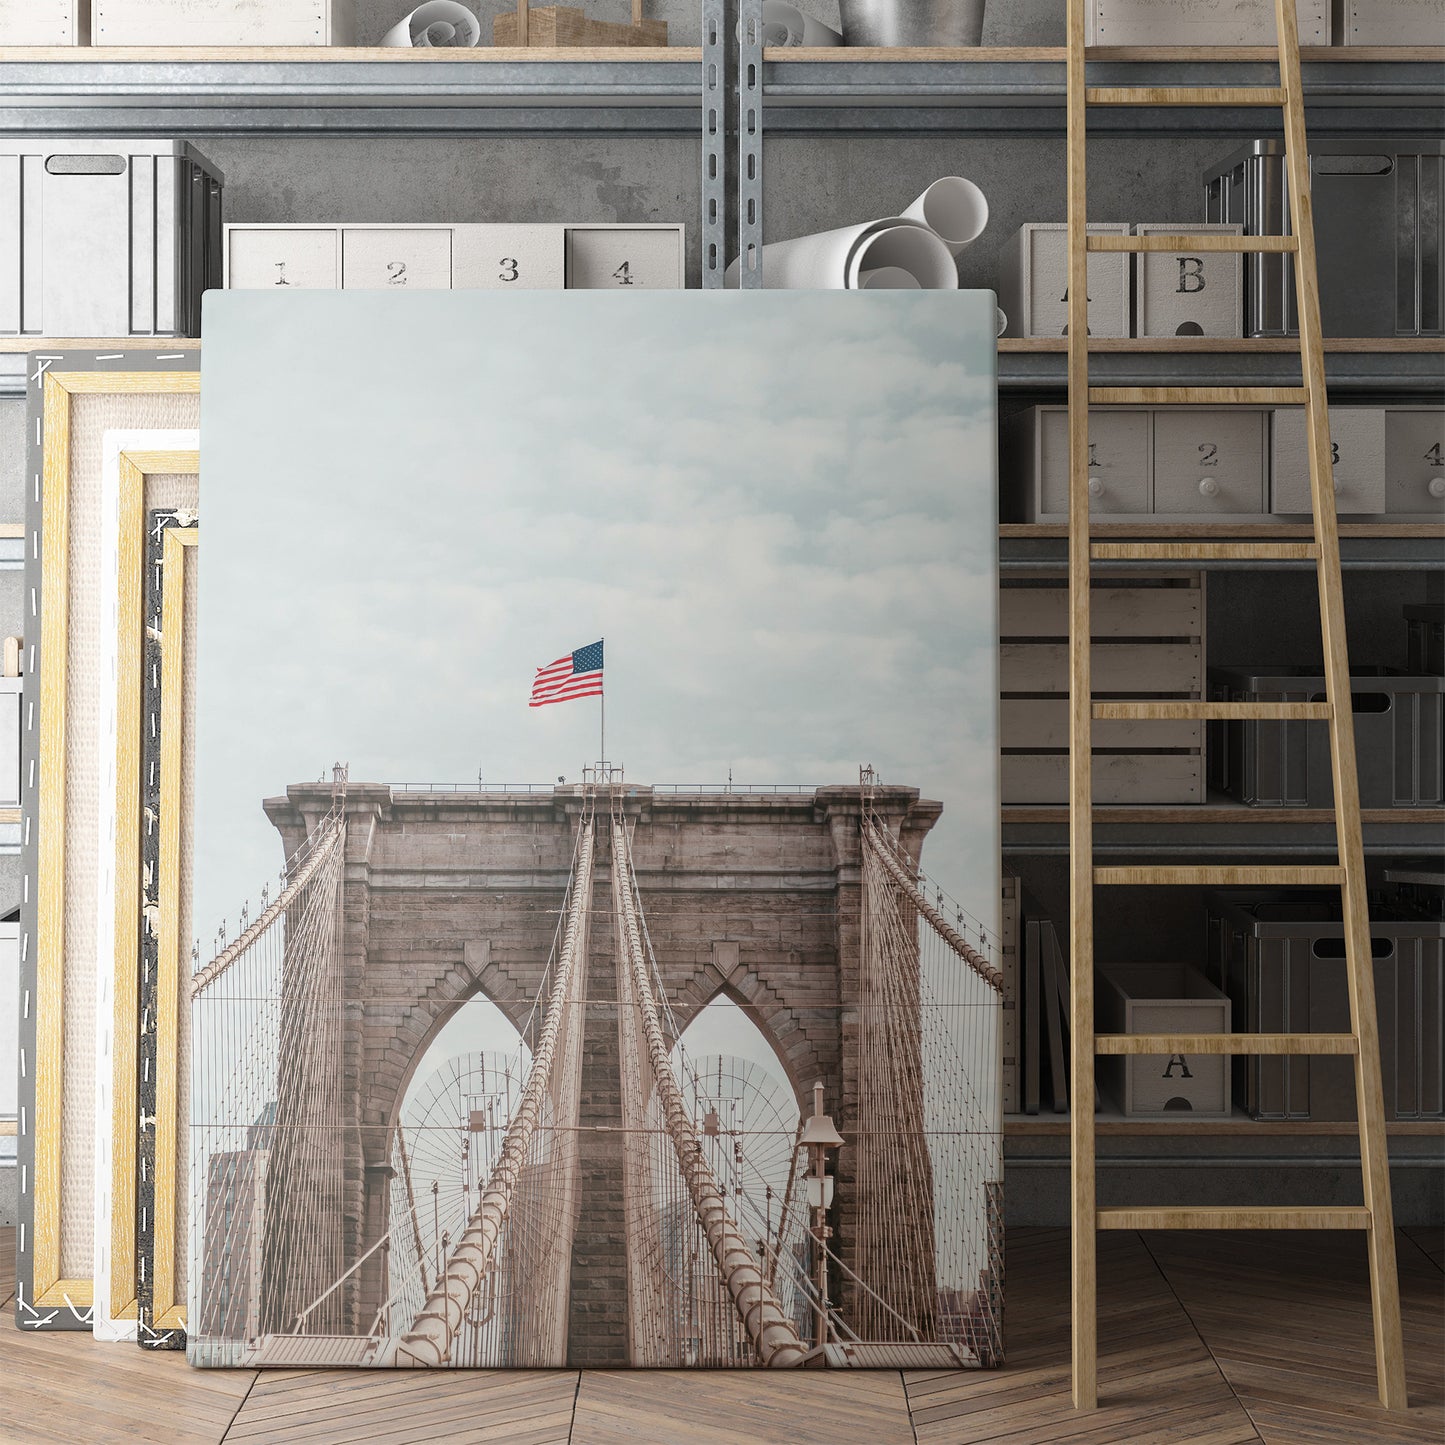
[449,894]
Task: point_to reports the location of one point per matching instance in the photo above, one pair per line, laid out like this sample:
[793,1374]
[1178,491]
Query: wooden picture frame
[54,1289]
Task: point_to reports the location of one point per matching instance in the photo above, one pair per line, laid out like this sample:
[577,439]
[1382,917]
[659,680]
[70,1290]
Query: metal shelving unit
[639,91]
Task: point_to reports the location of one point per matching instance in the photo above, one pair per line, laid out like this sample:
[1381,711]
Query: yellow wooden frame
[59,387]
[178,558]
[134,468]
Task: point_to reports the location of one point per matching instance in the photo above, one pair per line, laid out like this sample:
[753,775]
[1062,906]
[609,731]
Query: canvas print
[596,833]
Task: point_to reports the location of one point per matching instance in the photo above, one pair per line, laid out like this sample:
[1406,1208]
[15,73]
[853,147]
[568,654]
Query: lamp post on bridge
[820,1134]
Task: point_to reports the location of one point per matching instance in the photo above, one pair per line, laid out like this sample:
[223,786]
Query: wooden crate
[1148,634]
[44,22]
[1199,22]
[1389,22]
[223,22]
[557,27]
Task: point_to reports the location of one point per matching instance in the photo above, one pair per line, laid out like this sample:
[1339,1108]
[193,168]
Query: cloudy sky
[779,510]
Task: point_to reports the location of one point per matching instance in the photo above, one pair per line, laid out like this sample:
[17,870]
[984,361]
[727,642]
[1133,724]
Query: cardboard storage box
[1389,22]
[1033,287]
[1188,293]
[223,22]
[106,237]
[1163,998]
[1280,957]
[1399,739]
[1357,450]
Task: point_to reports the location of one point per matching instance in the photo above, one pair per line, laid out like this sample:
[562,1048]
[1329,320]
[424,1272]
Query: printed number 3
[623,274]
[509,270]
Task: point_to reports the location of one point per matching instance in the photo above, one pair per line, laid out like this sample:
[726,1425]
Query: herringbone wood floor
[1205,1340]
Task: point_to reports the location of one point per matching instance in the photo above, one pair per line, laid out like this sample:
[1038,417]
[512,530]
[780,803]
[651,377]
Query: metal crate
[1377,208]
[106,237]
[1280,958]
[1425,637]
[1399,739]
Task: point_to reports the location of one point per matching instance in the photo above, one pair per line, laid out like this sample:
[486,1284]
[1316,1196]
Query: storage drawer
[1033,282]
[1389,22]
[44,22]
[223,22]
[10,701]
[1209,461]
[1414,459]
[1357,447]
[1118,462]
[646,257]
[378,258]
[1148,998]
[300,257]
[1128,779]
[503,258]
[1131,669]
[1181,293]
[106,237]
[1191,22]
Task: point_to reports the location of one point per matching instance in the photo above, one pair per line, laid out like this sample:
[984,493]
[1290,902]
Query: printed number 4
[623,274]
[1435,457]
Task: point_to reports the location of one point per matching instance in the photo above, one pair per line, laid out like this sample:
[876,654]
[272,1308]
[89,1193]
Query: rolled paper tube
[828,260]
[888,278]
[1002,320]
[439,24]
[786,25]
[954,209]
[904,246]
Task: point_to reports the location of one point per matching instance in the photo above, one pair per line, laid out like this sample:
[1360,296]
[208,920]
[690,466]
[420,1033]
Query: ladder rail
[1348,874]
[1359,967]
[1082,1170]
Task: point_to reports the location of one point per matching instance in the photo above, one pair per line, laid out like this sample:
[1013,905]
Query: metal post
[714,143]
[750,144]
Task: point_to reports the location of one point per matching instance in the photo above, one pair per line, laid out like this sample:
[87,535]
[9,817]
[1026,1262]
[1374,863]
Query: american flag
[579,674]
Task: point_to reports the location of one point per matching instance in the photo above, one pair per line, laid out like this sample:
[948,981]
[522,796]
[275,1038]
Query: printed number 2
[1208,454]
[623,274]
[396,273]
[509,270]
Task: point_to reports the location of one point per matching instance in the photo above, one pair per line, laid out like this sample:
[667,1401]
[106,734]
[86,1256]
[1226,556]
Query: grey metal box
[1425,637]
[1377,205]
[1152,998]
[1357,442]
[1281,959]
[1399,739]
[103,238]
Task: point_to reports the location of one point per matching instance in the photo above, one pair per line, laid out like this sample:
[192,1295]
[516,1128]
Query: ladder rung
[1185,241]
[1185,95]
[1314,1217]
[1272,1044]
[1198,395]
[1160,711]
[1155,551]
[1212,876]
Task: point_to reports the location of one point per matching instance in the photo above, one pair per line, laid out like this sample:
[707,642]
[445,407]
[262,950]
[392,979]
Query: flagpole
[602,701]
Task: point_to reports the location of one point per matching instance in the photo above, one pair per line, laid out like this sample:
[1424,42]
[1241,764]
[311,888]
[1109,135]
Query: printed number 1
[281,274]
[623,274]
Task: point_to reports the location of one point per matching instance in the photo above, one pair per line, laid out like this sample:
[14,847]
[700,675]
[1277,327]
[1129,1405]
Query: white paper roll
[953,208]
[1002,320]
[888,278]
[835,260]
[785,24]
[438,24]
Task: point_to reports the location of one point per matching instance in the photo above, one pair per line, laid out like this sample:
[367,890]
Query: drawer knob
[1436,487]
[1096,487]
[1208,487]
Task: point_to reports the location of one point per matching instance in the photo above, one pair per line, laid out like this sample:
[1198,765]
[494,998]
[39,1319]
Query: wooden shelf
[1023,1126]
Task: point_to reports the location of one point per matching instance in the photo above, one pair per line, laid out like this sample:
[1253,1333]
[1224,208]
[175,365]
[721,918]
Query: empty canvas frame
[517,1043]
[66,948]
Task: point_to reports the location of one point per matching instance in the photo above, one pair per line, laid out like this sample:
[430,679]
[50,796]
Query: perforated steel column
[715,96]
[750,143]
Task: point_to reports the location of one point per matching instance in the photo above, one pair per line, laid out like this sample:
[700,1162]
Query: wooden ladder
[1348,874]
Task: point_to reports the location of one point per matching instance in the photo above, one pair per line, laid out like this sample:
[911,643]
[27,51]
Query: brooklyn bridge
[601,1177]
